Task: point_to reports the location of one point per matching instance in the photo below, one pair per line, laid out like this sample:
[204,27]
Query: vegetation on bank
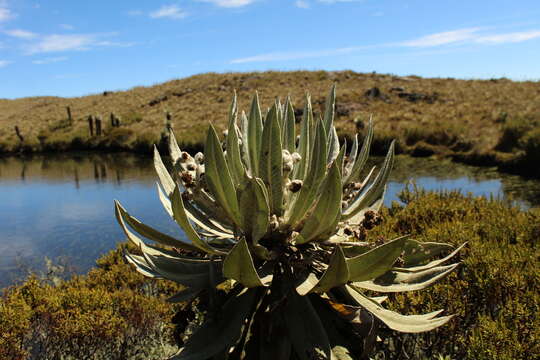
[115,313]
[482,122]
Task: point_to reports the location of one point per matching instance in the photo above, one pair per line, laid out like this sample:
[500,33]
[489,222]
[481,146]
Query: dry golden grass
[463,119]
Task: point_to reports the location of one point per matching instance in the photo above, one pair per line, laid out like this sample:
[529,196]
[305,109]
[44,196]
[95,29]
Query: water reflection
[61,206]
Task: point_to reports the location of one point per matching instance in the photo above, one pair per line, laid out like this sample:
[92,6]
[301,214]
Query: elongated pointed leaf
[147,231]
[327,209]
[351,160]
[221,332]
[337,273]
[123,217]
[416,252]
[254,134]
[238,265]
[306,330]
[376,262]
[397,281]
[188,274]
[375,190]
[244,149]
[433,263]
[305,144]
[254,209]
[306,283]
[395,321]
[199,218]
[218,177]
[362,157]
[340,159]
[180,216]
[305,197]
[271,162]
[174,149]
[142,266]
[289,129]
[164,177]
[234,159]
[333,146]
[329,108]
[233,110]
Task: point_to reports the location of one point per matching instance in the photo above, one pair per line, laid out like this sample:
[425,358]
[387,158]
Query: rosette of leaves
[278,218]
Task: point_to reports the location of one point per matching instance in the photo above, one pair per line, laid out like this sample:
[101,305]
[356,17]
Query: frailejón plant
[281,220]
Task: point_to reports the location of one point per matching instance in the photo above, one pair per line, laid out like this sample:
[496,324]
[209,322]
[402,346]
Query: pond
[61,206]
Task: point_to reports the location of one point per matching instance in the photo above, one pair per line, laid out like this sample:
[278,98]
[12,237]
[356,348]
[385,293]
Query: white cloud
[67,26]
[230,3]
[302,4]
[71,42]
[21,34]
[168,11]
[470,36]
[443,38]
[509,37]
[4,63]
[55,43]
[50,60]
[5,13]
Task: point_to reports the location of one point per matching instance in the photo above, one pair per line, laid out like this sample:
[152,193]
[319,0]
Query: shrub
[495,294]
[111,313]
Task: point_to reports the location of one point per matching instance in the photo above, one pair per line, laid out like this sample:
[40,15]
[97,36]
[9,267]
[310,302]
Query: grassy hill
[484,122]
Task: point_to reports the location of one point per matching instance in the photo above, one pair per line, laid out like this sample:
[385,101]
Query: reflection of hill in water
[83,167]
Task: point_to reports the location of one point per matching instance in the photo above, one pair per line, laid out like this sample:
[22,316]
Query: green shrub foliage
[495,294]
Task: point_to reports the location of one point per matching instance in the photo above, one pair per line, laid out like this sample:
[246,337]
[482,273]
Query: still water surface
[61,206]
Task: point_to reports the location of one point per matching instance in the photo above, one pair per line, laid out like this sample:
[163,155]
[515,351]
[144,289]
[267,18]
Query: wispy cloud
[5,13]
[514,37]
[50,60]
[67,26]
[4,63]
[302,4]
[443,38]
[71,42]
[468,36]
[230,3]
[168,11]
[471,36]
[21,34]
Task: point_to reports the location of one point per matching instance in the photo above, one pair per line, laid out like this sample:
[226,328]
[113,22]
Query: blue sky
[74,48]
